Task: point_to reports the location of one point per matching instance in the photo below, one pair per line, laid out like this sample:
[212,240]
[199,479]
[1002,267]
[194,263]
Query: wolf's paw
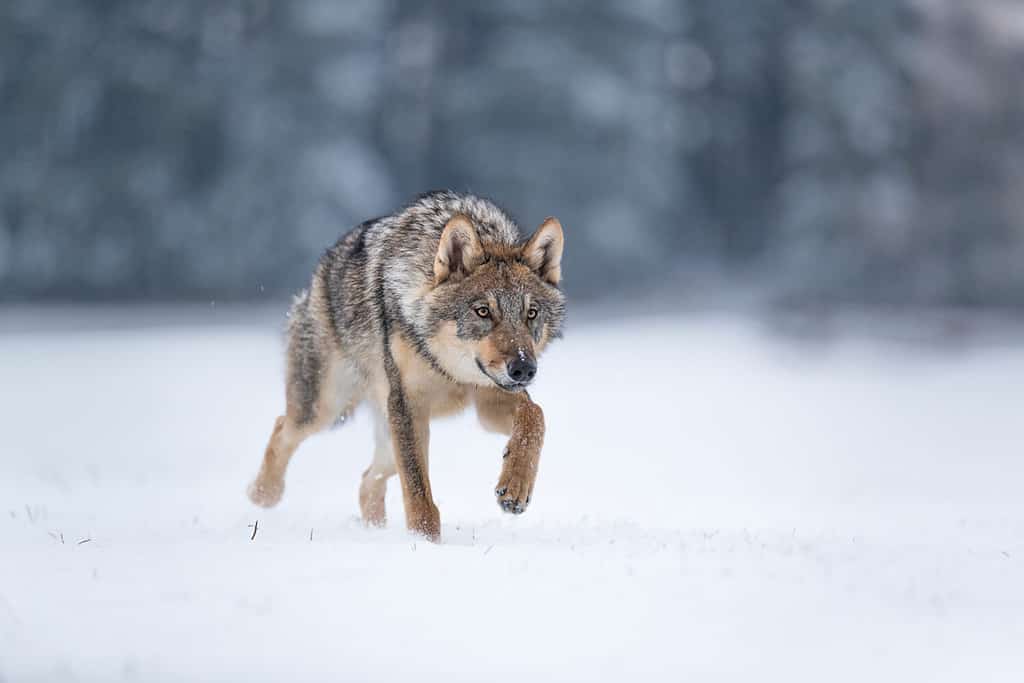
[266,493]
[425,520]
[513,494]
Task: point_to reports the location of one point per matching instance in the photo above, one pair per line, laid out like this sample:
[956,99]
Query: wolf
[418,315]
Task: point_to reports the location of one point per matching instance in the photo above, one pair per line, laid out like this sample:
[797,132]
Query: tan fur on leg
[523,420]
[421,515]
[266,490]
[414,392]
[372,490]
[374,485]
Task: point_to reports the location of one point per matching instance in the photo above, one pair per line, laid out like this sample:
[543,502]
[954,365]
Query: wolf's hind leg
[321,385]
[374,484]
[267,488]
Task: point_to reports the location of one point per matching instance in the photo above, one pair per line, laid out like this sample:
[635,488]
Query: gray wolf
[420,314]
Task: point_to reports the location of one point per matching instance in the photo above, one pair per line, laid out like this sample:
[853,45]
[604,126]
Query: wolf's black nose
[522,369]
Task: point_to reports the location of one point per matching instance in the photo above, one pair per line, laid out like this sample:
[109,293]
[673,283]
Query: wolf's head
[494,307]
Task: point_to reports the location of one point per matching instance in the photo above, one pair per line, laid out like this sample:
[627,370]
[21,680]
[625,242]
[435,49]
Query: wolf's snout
[522,369]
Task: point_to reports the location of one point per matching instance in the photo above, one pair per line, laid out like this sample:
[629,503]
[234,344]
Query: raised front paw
[511,502]
[515,487]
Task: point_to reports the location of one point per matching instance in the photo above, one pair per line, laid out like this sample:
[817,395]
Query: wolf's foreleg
[410,435]
[523,420]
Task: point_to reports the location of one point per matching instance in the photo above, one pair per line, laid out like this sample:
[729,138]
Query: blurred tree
[829,150]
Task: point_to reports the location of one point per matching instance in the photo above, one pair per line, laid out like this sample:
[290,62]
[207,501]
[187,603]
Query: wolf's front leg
[410,434]
[523,420]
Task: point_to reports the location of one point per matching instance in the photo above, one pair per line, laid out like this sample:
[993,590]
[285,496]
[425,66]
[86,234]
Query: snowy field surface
[714,503]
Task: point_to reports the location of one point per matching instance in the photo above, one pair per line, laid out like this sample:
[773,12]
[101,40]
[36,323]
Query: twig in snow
[84,540]
[311,533]
[1006,553]
[488,549]
[255,527]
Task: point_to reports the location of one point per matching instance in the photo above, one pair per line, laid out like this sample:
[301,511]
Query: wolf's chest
[426,387]
[445,398]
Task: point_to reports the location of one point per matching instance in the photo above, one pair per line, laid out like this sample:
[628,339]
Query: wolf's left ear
[459,250]
[543,252]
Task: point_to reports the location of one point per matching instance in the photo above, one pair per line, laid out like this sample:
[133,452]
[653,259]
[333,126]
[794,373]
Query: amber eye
[483,311]
[531,314]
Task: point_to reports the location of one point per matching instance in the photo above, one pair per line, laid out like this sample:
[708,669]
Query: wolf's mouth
[507,386]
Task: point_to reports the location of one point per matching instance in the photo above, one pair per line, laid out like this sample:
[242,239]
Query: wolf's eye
[531,314]
[483,311]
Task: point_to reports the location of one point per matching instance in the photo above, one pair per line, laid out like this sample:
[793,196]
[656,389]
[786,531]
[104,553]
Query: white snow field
[715,503]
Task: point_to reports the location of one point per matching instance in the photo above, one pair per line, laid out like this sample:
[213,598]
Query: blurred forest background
[819,152]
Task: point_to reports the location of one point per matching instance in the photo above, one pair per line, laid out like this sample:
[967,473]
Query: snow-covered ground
[714,503]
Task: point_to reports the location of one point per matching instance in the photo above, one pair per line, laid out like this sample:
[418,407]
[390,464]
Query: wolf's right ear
[459,251]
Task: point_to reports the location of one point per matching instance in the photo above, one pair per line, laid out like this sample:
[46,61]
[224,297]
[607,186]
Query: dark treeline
[827,150]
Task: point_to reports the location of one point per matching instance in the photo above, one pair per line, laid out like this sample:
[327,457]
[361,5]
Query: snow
[714,503]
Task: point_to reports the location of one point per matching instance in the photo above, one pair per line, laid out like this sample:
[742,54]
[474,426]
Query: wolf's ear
[543,252]
[459,250]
